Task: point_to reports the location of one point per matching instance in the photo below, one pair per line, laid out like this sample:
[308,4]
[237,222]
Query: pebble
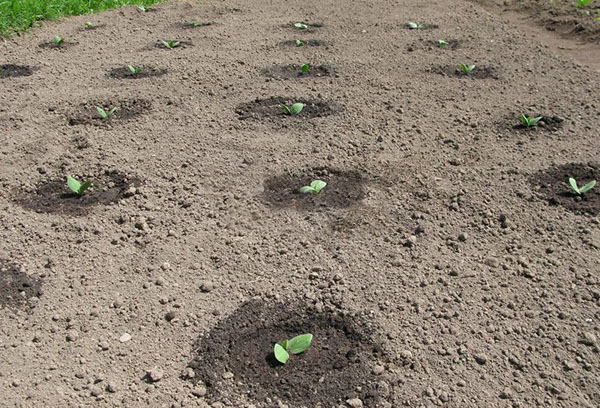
[154,374]
[492,262]
[227,375]
[589,339]
[111,387]
[171,316]
[480,358]
[378,369]
[199,391]
[207,286]
[72,335]
[125,337]
[354,403]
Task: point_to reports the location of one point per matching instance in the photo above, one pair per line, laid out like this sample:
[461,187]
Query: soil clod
[16,286]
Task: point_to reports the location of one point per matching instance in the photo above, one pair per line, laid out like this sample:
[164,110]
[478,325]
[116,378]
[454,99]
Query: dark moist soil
[434,45]
[553,185]
[12,71]
[87,114]
[53,196]
[187,26]
[51,45]
[307,43]
[480,72]
[344,189]
[270,108]
[291,71]
[311,27]
[125,73]
[336,367]
[16,287]
[548,123]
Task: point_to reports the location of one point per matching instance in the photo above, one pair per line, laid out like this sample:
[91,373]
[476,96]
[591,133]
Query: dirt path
[446,263]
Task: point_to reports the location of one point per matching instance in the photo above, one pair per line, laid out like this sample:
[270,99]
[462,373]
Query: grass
[17,16]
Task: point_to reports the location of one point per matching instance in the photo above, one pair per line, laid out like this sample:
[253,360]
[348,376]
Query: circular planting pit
[12,71]
[344,189]
[16,287]
[52,45]
[181,45]
[480,72]
[434,45]
[54,196]
[310,27]
[335,368]
[548,123]
[87,113]
[192,25]
[291,71]
[125,73]
[270,108]
[553,185]
[307,43]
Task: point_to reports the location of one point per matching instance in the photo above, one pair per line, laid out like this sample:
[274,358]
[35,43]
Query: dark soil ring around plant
[54,196]
[311,27]
[87,113]
[434,45]
[12,71]
[342,352]
[181,45]
[270,108]
[480,72]
[548,123]
[125,73]
[553,185]
[51,45]
[344,189]
[291,71]
[189,25]
[307,43]
[16,287]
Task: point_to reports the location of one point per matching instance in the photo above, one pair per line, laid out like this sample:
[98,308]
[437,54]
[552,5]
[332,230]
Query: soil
[445,235]
[434,45]
[125,73]
[307,43]
[290,71]
[478,73]
[13,71]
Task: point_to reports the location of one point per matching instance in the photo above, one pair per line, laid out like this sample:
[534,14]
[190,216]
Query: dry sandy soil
[447,263]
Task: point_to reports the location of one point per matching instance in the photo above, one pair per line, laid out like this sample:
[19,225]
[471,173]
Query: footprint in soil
[291,71]
[344,189]
[87,113]
[270,108]
[12,71]
[553,185]
[53,196]
[16,287]
[342,351]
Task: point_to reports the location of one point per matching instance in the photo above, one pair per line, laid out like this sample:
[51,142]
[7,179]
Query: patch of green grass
[16,16]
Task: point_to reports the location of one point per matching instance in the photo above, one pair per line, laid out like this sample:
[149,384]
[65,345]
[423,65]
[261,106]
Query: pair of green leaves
[59,40]
[416,26]
[529,121]
[315,187]
[299,43]
[442,43]
[305,68]
[171,44]
[466,69]
[583,3]
[296,345]
[106,114]
[77,187]
[301,26]
[295,109]
[581,190]
[134,69]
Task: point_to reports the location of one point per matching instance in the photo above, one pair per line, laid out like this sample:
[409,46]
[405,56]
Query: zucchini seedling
[416,26]
[296,345]
[299,43]
[144,8]
[466,69]
[442,43]
[315,187]
[106,114]
[134,69]
[529,121]
[301,26]
[58,40]
[77,187]
[583,3]
[171,44]
[581,190]
[295,109]
[89,25]
[305,68]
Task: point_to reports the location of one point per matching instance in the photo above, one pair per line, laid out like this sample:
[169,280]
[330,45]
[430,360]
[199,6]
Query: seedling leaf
[442,43]
[299,43]
[77,187]
[583,189]
[58,40]
[281,353]
[466,68]
[301,26]
[306,189]
[299,343]
[315,187]
[305,68]
[529,121]
[171,44]
[583,3]
[135,69]
[574,186]
[88,25]
[285,109]
[296,108]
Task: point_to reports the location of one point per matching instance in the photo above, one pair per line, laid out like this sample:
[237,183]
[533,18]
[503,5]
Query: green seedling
[295,109]
[296,345]
[416,26]
[59,41]
[581,190]
[89,25]
[529,121]
[301,26]
[106,114]
[144,8]
[193,25]
[171,44]
[315,187]
[598,18]
[77,187]
[583,3]
[466,69]
[305,68]
[135,69]
[299,43]
[442,43]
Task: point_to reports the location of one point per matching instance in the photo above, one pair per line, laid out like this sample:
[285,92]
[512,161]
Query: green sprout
[193,24]
[89,25]
[529,121]
[305,68]
[299,43]
[583,3]
[315,187]
[77,187]
[59,40]
[442,43]
[301,26]
[171,44]
[295,109]
[144,8]
[135,69]
[416,26]
[466,69]
[598,18]
[296,345]
[581,190]
[106,114]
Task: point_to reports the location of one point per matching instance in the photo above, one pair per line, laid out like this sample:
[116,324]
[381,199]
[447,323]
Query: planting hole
[87,113]
[12,71]
[290,71]
[479,72]
[307,43]
[125,73]
[270,108]
[16,286]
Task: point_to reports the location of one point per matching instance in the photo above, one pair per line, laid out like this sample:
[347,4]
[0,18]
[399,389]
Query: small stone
[227,375]
[72,335]
[354,403]
[461,383]
[160,281]
[171,316]
[569,365]
[492,262]
[378,369]
[154,374]
[444,396]
[480,358]
[207,286]
[95,391]
[506,394]
[429,392]
[589,339]
[104,345]
[411,241]
[125,337]
[111,387]
[463,237]
[199,391]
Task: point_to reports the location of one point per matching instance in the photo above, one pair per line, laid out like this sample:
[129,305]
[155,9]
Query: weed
[301,26]
[581,190]
[529,121]
[58,41]
[295,109]
[135,69]
[77,187]
[296,345]
[299,43]
[442,43]
[583,3]
[466,69]
[171,44]
[305,68]
[106,114]
[315,187]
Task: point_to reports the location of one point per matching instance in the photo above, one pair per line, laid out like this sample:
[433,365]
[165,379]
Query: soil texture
[307,43]
[127,109]
[13,71]
[16,287]
[290,71]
